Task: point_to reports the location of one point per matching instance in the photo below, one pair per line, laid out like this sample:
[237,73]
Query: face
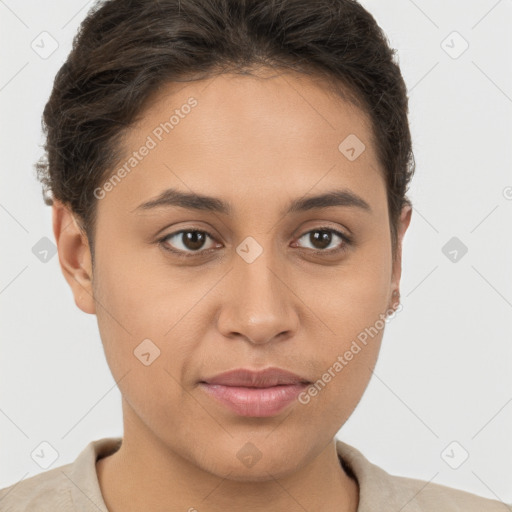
[186,290]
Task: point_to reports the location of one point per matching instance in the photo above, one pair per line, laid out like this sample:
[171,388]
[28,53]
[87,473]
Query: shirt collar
[85,487]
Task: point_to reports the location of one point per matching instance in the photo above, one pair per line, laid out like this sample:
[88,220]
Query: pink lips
[255,393]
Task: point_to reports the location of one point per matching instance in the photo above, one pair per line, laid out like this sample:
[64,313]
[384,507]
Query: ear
[403,224]
[74,256]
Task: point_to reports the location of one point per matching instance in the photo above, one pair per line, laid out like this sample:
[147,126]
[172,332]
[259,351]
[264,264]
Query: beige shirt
[74,487]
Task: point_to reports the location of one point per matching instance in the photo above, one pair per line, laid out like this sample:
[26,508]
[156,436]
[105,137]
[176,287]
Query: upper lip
[256,378]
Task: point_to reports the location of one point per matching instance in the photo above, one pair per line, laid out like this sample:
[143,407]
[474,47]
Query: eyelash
[346,242]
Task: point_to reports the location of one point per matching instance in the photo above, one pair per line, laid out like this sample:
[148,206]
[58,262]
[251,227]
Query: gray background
[444,370]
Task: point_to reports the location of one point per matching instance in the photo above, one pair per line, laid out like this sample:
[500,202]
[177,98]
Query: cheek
[148,320]
[140,294]
[136,312]
[353,320]
[344,367]
[354,296]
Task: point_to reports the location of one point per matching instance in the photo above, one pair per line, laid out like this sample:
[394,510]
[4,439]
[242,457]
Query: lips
[258,379]
[255,393]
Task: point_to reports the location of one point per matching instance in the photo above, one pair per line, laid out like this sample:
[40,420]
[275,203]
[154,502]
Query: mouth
[255,393]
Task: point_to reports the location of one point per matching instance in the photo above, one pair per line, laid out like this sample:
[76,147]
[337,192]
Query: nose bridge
[258,283]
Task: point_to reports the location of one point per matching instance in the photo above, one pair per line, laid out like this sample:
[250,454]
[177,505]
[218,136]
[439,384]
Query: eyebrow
[193,201]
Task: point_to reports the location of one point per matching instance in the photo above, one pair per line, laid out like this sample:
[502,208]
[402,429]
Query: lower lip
[255,402]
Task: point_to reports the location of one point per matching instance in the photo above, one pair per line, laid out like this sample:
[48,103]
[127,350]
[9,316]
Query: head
[261,106]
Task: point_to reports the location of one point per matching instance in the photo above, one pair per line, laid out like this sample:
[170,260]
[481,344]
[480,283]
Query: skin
[256,142]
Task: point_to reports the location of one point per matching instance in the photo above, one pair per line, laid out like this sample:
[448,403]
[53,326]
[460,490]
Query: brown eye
[186,241]
[326,240]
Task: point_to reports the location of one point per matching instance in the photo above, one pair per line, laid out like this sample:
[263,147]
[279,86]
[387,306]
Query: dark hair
[126,49]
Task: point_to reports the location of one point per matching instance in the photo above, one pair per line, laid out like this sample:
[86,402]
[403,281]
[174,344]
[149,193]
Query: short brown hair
[126,49]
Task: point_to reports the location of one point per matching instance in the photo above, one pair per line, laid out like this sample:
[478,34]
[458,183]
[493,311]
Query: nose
[258,304]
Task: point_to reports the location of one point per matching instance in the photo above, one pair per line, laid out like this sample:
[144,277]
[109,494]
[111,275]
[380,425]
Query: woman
[228,183]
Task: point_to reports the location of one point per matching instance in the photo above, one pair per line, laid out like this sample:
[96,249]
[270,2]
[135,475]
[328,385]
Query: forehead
[245,136]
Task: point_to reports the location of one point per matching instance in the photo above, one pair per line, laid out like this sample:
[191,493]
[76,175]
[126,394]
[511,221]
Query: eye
[323,237]
[189,242]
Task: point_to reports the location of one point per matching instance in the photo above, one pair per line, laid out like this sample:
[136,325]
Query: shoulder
[47,491]
[66,488]
[420,495]
[382,491]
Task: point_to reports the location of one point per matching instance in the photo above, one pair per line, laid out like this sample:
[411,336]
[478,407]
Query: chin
[254,460]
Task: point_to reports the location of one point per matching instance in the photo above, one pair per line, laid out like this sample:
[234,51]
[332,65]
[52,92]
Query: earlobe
[74,256]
